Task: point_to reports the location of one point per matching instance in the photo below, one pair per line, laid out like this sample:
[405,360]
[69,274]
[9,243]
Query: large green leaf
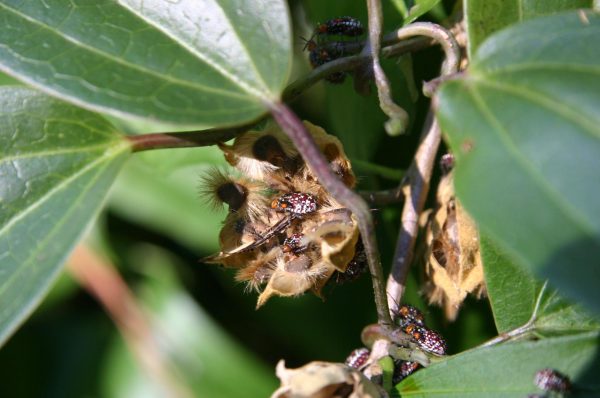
[507,370]
[525,128]
[486,17]
[57,163]
[188,63]
[517,298]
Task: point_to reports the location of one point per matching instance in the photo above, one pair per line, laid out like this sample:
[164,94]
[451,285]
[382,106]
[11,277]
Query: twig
[102,281]
[311,154]
[398,116]
[145,142]
[416,185]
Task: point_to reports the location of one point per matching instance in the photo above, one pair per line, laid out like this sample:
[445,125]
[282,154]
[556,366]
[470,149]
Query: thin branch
[416,185]
[145,142]
[398,116]
[101,280]
[313,157]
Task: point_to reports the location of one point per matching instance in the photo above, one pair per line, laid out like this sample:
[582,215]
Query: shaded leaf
[524,127]
[57,164]
[483,18]
[204,357]
[418,9]
[507,370]
[188,64]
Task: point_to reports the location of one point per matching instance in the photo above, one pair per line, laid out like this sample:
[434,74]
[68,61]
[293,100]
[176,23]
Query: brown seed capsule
[552,380]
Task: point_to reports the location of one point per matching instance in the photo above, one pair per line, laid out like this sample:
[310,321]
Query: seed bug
[427,339]
[408,314]
[295,204]
[319,55]
[403,369]
[294,244]
[358,358]
[552,380]
[346,26]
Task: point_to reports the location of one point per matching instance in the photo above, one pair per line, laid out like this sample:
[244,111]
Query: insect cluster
[284,233]
[322,50]
[412,322]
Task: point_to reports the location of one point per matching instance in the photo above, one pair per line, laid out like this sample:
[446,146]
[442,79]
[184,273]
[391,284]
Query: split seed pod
[453,262]
[296,236]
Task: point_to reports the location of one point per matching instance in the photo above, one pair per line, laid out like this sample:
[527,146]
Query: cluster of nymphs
[412,322]
[284,233]
[322,49]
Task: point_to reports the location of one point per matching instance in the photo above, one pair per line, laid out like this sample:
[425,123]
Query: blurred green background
[155,229]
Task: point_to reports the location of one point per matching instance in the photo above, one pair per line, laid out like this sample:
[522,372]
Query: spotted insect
[294,244]
[427,339]
[295,203]
[403,369]
[358,358]
[319,55]
[346,26]
[552,380]
[407,314]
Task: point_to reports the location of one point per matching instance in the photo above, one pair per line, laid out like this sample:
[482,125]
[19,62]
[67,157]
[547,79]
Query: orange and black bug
[319,55]
[427,339]
[403,369]
[294,244]
[346,26]
[295,204]
[407,314]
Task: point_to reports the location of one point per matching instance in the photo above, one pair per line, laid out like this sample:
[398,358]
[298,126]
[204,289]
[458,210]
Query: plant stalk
[313,157]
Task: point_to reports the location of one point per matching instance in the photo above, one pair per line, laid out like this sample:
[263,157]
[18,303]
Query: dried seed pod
[453,262]
[358,358]
[552,380]
[427,339]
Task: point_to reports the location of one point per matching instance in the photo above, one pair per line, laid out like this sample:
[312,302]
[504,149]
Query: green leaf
[204,357]
[57,164]
[517,298]
[188,64]
[512,290]
[419,9]
[483,18]
[525,128]
[507,370]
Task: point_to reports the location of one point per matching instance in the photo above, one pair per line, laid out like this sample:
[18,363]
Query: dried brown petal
[324,380]
[453,263]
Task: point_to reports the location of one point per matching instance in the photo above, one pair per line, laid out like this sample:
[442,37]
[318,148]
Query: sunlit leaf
[525,128]
[56,166]
[188,64]
[508,370]
[483,18]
